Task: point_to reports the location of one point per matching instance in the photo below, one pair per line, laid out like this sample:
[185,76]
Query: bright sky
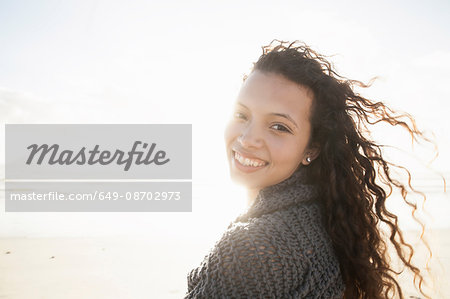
[183,62]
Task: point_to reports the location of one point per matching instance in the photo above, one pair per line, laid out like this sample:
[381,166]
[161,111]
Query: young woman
[296,141]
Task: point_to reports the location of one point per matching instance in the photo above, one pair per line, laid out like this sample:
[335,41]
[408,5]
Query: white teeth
[247,161]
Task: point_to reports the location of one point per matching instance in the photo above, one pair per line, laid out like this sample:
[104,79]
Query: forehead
[273,93]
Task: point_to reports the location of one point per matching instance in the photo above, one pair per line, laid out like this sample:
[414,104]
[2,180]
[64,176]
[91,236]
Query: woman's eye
[240,115]
[280,127]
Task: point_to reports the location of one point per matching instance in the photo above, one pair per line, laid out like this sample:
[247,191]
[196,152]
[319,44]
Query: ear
[311,154]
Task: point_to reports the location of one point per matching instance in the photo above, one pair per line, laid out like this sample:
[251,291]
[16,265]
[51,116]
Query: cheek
[230,133]
[286,152]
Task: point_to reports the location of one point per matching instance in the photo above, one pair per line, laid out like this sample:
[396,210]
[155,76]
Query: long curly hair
[351,171]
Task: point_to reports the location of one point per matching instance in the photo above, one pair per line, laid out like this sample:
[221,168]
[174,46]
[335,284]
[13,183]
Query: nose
[250,137]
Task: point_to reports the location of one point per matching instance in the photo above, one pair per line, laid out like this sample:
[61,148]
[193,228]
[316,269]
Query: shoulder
[295,236]
[262,243]
[272,256]
[307,248]
[248,261]
[304,225]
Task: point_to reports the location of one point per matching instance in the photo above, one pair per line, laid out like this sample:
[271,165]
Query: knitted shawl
[278,248]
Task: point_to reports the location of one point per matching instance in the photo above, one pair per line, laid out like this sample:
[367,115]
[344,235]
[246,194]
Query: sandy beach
[93,268]
[130,267]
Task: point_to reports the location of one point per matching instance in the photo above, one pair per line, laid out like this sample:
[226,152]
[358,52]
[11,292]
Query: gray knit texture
[278,248]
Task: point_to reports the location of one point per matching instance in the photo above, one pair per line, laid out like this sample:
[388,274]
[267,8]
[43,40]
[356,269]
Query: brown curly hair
[348,168]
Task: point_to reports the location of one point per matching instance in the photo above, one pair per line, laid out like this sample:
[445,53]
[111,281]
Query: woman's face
[268,134]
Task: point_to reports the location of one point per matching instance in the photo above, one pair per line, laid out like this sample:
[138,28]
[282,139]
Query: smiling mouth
[249,162]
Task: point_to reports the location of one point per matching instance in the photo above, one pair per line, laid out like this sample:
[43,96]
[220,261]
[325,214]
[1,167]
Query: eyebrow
[277,114]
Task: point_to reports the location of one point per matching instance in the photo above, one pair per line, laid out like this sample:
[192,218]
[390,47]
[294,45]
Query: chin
[244,181]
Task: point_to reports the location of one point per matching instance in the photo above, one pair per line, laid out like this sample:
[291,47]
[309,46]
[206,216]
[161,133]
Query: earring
[308,159]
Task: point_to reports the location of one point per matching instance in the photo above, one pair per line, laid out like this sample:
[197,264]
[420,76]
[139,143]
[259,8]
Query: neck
[251,196]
